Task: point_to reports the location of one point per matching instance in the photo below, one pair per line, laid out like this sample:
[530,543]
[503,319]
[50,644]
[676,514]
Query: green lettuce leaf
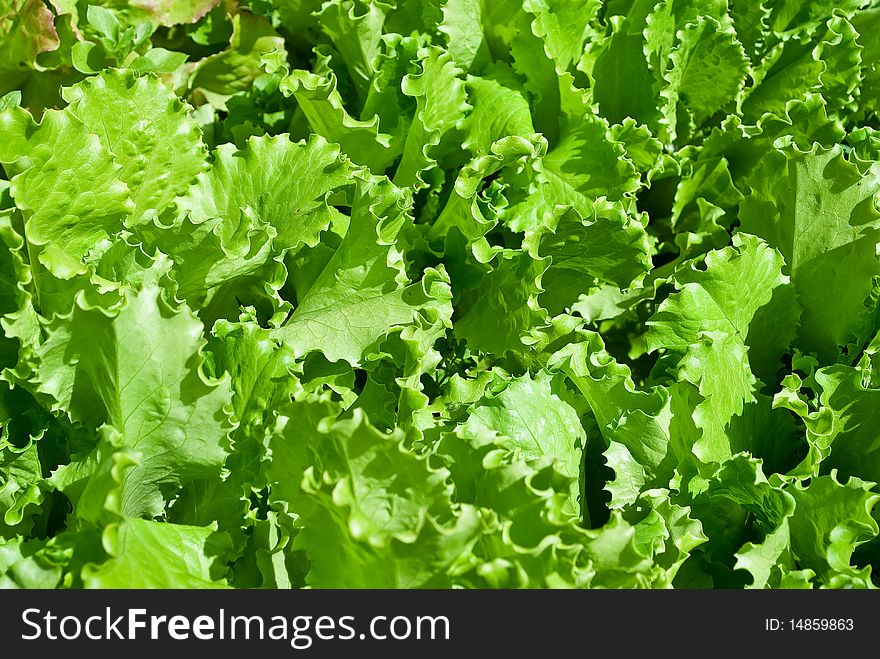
[146,387]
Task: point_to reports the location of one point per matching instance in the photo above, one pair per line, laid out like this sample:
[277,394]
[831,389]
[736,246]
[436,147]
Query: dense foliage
[435,293]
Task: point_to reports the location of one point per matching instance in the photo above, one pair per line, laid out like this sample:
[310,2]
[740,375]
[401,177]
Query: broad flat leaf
[26,30]
[176,12]
[67,185]
[146,554]
[865,22]
[138,370]
[606,246]
[152,135]
[22,567]
[830,520]
[817,209]
[21,489]
[499,108]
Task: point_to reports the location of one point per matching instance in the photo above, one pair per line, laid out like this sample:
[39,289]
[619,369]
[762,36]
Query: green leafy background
[448,293]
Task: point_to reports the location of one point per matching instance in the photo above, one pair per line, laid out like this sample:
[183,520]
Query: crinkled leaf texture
[440,294]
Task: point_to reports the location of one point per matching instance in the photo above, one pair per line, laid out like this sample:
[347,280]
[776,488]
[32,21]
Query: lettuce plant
[439,293]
